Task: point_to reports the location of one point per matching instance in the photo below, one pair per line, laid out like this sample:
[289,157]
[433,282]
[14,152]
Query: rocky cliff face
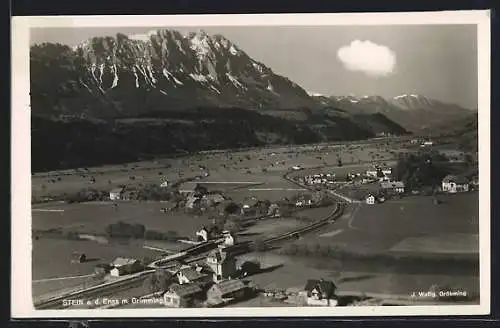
[160,70]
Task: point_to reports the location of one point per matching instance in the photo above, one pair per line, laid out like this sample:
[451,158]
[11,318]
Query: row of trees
[229,223]
[149,192]
[121,229]
[425,169]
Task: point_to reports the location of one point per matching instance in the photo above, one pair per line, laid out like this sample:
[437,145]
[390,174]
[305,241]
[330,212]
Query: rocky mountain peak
[177,71]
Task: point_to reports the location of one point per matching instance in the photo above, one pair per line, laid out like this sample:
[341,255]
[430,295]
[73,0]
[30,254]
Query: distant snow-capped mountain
[414,112]
[410,102]
[315,94]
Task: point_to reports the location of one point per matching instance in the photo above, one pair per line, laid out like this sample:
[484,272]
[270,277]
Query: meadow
[52,261]
[287,275]
[94,217]
[259,165]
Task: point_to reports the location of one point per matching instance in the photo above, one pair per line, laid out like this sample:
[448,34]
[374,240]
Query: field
[52,258]
[245,165]
[371,240]
[383,227]
[274,226]
[93,218]
[287,276]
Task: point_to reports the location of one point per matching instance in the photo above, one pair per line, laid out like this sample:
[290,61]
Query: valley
[168,163]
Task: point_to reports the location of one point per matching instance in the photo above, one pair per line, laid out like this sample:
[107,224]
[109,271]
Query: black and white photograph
[251,165]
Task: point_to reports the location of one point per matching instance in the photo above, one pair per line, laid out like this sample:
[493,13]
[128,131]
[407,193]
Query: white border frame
[21,299]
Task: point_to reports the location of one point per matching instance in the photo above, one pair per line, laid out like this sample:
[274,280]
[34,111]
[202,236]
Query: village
[377,184]
[218,278]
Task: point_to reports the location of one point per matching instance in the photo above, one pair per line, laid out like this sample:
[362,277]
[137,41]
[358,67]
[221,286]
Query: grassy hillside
[379,123]
[462,132]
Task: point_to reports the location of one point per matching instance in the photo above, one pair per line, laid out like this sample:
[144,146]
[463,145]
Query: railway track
[190,251]
[337,212]
[316,225]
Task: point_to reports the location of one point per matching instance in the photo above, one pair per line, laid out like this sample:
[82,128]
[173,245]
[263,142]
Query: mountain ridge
[413,112]
[172,69]
[123,98]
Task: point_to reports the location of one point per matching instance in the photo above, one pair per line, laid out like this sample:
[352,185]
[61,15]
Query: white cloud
[367,57]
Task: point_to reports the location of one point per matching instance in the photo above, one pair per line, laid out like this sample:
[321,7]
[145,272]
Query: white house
[191,201]
[116,194]
[374,173]
[181,296]
[228,238]
[123,266]
[164,184]
[397,186]
[454,184]
[370,200]
[304,200]
[202,234]
[320,293]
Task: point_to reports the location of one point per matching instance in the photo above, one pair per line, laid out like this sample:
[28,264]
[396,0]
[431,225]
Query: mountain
[378,124]
[127,98]
[413,112]
[161,70]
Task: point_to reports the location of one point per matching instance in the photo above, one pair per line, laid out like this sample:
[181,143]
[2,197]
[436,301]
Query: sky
[437,61]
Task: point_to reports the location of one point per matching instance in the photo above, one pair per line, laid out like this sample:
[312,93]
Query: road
[63,278]
[343,197]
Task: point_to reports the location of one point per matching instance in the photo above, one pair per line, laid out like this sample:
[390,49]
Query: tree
[146,260]
[420,170]
[231,208]
[339,162]
[200,190]
[286,210]
[124,230]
